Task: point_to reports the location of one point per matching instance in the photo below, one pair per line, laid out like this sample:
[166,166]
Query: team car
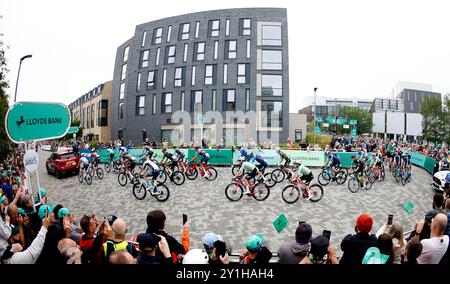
[441,181]
[61,163]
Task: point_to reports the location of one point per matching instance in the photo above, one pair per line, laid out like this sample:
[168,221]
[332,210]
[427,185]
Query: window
[87,117]
[158,52]
[179,76]
[298,135]
[196,101]
[120,110]
[169,33]
[271,60]
[229,97]
[243,74]
[182,102]
[197,27]
[122,91]
[157,35]
[272,85]
[216,48]
[271,35]
[167,103]
[151,80]
[245,26]
[144,58]
[193,76]
[140,105]
[247,99]
[227,27]
[214,100]
[213,27]
[124,72]
[225,73]
[154,104]
[210,74]
[164,78]
[184,31]
[120,134]
[271,114]
[185,52]
[170,54]
[144,36]
[248,48]
[199,51]
[138,83]
[92,115]
[230,49]
[125,53]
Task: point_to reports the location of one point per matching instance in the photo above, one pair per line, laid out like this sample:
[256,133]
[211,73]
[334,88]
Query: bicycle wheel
[341,177]
[234,191]
[403,179]
[290,194]
[122,178]
[116,169]
[368,185]
[382,175]
[323,178]
[212,174]
[353,185]
[108,168]
[277,175]
[191,173]
[139,191]
[178,178]
[235,168]
[88,178]
[80,176]
[261,192]
[316,192]
[162,177]
[268,179]
[100,173]
[398,177]
[162,192]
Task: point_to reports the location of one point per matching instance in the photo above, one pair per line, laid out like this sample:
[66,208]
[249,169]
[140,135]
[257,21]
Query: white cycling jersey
[150,163]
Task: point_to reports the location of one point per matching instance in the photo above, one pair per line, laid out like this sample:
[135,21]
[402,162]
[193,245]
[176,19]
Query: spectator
[355,246]
[386,247]
[27,203]
[256,253]
[121,257]
[118,242]
[65,215]
[396,232]
[7,250]
[412,251]
[438,203]
[447,210]
[148,244]
[320,252]
[196,256]
[210,241]
[294,252]
[435,247]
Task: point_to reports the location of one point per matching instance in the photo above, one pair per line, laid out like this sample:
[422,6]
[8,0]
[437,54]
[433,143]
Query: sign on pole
[325,124]
[353,132]
[346,126]
[73,129]
[353,122]
[27,121]
[31,160]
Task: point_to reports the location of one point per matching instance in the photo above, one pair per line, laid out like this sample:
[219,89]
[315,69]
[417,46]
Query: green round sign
[200,119]
[27,121]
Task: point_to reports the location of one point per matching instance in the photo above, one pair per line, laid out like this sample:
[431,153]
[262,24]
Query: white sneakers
[247,190]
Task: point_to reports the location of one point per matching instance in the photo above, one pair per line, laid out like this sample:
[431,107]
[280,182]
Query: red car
[62,163]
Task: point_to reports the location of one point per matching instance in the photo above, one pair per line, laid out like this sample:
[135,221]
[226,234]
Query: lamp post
[18,73]
[315,113]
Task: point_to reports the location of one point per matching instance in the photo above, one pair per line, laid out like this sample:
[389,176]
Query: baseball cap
[254,243]
[319,247]
[63,212]
[147,241]
[111,219]
[303,233]
[43,209]
[209,239]
[364,223]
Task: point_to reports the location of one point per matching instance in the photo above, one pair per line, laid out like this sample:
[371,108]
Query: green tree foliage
[363,117]
[4,141]
[321,140]
[435,121]
[79,133]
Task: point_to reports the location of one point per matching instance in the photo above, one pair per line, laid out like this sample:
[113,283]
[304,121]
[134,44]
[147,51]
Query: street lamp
[315,113]
[18,73]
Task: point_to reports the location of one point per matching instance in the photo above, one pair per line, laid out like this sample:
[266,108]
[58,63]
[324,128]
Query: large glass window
[182,102]
[122,91]
[138,82]
[245,27]
[248,48]
[179,76]
[144,37]
[167,103]
[196,101]
[184,31]
[185,52]
[230,49]
[229,100]
[157,35]
[125,53]
[216,48]
[272,60]
[164,78]
[210,74]
[151,80]
[158,53]
[213,26]
[123,75]
[121,105]
[247,99]
[225,73]
[271,35]
[154,104]
[169,33]
[214,100]
[144,58]
[140,105]
[271,114]
[199,51]
[272,85]
[243,76]
[170,54]
[197,28]
[193,75]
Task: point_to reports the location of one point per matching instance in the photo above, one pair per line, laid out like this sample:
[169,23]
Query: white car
[439,180]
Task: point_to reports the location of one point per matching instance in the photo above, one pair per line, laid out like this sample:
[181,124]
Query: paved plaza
[210,211]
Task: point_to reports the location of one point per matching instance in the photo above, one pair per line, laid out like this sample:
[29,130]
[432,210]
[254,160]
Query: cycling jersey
[150,165]
[247,167]
[302,170]
[245,154]
[180,154]
[397,159]
[284,156]
[359,167]
[407,159]
[169,156]
[259,159]
[335,162]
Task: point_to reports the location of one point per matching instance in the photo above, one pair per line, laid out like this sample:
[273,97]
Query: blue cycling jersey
[245,154]
[260,160]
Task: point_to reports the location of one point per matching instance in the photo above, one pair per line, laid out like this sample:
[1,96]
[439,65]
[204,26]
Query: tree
[76,123]
[4,141]
[363,117]
[435,121]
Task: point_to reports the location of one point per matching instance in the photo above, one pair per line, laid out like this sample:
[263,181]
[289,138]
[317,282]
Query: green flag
[280,223]
[409,206]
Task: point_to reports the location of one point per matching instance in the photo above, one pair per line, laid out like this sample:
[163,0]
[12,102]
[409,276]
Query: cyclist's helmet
[241,158]
[199,151]
[297,162]
[196,256]
[353,157]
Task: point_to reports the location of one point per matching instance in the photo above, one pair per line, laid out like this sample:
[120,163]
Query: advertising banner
[218,157]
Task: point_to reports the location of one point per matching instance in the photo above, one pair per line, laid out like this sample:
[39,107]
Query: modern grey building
[412,99]
[224,61]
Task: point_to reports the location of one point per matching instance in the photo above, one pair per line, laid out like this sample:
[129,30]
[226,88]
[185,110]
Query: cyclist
[262,164]
[286,159]
[84,164]
[304,173]
[95,159]
[129,161]
[374,164]
[244,153]
[111,154]
[406,160]
[179,155]
[333,162]
[358,169]
[152,170]
[251,170]
[204,161]
[147,155]
[169,159]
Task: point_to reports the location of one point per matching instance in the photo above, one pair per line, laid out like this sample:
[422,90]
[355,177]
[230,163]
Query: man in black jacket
[355,246]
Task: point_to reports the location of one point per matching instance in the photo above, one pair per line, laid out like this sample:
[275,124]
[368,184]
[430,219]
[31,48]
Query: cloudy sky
[345,48]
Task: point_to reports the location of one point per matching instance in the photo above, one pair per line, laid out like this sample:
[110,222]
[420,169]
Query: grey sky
[345,48]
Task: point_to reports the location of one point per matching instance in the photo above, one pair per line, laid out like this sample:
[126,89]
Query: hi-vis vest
[120,246]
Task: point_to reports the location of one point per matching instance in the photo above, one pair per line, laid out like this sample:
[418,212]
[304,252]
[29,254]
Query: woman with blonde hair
[396,232]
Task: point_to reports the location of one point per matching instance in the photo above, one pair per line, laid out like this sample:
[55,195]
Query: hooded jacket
[292,253]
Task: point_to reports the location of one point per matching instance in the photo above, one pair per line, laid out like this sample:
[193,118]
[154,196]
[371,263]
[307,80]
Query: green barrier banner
[346,158]
[418,159]
[309,159]
[218,157]
[104,156]
[429,164]
[157,153]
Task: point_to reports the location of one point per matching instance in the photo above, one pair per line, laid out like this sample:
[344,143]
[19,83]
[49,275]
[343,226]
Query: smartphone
[221,248]
[185,218]
[390,219]
[327,234]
